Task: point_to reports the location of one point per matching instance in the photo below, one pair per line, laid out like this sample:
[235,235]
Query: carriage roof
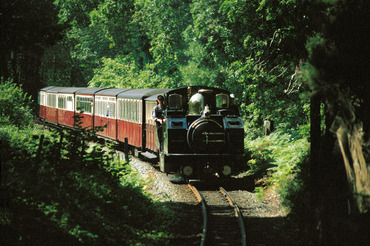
[110,92]
[141,93]
[89,91]
[51,89]
[69,89]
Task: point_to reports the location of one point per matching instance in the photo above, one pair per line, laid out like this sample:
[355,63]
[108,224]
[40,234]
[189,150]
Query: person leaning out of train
[157,113]
[158,117]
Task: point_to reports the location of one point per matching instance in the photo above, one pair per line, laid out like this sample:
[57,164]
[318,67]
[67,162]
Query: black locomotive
[203,133]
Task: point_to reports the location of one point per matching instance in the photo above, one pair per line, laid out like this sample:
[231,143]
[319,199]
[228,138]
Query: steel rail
[237,213]
[204,211]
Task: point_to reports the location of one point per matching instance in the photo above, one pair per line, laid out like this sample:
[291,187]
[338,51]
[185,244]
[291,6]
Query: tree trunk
[350,139]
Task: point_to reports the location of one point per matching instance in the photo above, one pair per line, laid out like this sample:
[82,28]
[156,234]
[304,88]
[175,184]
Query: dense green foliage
[280,161]
[252,48]
[27,28]
[56,186]
[14,105]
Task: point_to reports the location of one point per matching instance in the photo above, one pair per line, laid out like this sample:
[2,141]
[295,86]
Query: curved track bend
[222,221]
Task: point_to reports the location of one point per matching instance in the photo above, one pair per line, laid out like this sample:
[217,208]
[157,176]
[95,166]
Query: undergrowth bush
[84,199]
[14,105]
[59,188]
[281,161]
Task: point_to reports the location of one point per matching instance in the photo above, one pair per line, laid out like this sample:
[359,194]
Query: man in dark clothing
[158,117]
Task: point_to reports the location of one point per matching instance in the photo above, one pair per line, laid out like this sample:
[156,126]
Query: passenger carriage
[132,119]
[66,105]
[42,101]
[106,112]
[84,106]
[49,104]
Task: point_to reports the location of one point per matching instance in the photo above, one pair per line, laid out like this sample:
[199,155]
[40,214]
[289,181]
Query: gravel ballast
[266,221]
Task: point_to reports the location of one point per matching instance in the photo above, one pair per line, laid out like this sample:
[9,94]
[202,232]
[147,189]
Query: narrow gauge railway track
[222,221]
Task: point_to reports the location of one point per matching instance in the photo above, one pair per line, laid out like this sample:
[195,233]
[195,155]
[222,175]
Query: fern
[281,158]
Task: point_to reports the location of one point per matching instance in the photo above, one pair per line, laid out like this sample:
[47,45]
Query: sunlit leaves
[15,105]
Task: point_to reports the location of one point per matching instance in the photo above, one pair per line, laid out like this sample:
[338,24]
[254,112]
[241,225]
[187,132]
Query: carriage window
[133,110]
[222,100]
[119,109]
[84,104]
[97,107]
[128,111]
[42,98]
[112,107]
[51,100]
[175,101]
[62,102]
[136,110]
[149,107]
[124,105]
[140,116]
[69,103]
[87,105]
[104,108]
[125,109]
[112,110]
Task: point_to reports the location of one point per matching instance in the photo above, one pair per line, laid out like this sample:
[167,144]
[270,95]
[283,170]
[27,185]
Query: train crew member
[158,117]
[232,106]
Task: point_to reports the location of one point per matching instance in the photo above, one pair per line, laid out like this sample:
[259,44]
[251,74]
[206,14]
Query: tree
[25,33]
[164,23]
[338,74]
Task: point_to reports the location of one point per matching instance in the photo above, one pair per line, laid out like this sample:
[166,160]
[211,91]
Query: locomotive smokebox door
[206,136]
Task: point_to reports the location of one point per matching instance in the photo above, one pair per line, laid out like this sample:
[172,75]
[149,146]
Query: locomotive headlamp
[187,170]
[226,170]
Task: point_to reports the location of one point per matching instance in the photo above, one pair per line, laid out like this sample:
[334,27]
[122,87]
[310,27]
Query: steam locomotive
[203,134]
